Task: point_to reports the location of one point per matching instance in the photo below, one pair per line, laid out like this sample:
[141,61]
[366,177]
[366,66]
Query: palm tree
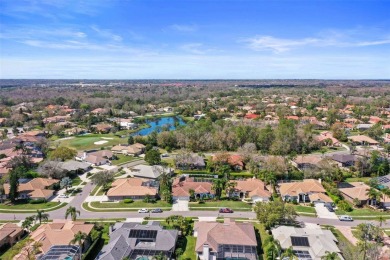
[373,194]
[28,222]
[41,215]
[273,250]
[289,253]
[218,186]
[330,256]
[79,238]
[386,193]
[381,220]
[270,179]
[72,211]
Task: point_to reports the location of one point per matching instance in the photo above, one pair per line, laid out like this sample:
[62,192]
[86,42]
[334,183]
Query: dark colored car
[225,210]
[330,208]
[156,211]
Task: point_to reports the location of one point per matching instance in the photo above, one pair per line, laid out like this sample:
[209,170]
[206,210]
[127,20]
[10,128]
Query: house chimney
[206,251]
[319,180]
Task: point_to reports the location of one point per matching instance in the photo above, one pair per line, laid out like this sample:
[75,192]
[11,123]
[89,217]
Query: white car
[143,211]
[345,218]
[63,196]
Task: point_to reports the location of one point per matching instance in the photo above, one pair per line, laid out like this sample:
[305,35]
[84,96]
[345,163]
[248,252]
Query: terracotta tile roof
[36,187]
[251,116]
[320,197]
[9,230]
[305,186]
[362,138]
[60,232]
[230,233]
[182,188]
[355,190]
[312,159]
[130,187]
[253,187]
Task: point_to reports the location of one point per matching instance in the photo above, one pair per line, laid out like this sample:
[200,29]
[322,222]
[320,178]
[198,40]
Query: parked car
[165,155]
[143,211]
[63,196]
[156,211]
[225,210]
[330,208]
[345,218]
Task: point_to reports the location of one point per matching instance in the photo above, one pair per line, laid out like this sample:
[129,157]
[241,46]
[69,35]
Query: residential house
[99,111]
[134,149]
[132,188]
[363,127]
[228,240]
[181,188]
[148,172]
[308,190]
[303,162]
[344,160]
[362,140]
[38,188]
[383,181]
[326,138]
[75,131]
[103,128]
[56,119]
[251,188]
[358,190]
[190,162]
[127,123]
[10,233]
[95,158]
[59,233]
[251,116]
[131,240]
[311,242]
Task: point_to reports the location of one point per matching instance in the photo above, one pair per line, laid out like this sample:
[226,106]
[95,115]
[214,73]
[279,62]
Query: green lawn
[361,179]
[363,212]
[76,181]
[222,204]
[134,204]
[304,209]
[123,159]
[348,250]
[22,205]
[86,142]
[189,248]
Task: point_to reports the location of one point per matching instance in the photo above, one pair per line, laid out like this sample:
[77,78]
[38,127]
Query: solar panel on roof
[300,241]
[139,233]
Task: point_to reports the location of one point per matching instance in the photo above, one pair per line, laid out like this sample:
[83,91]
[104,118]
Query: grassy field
[304,209]
[86,142]
[348,250]
[222,204]
[19,205]
[134,204]
[363,212]
[31,208]
[123,159]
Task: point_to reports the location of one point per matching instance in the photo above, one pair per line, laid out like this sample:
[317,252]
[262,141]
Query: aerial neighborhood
[241,170]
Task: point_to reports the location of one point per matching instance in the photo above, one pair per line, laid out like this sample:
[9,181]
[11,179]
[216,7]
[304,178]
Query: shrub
[89,174]
[127,201]
[38,201]
[344,206]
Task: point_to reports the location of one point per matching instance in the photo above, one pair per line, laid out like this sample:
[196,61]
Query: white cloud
[279,45]
[107,34]
[194,48]
[184,27]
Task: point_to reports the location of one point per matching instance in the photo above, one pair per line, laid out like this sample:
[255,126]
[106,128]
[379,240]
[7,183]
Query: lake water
[158,123]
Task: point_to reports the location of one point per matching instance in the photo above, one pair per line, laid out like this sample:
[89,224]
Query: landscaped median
[121,206]
[31,208]
[214,205]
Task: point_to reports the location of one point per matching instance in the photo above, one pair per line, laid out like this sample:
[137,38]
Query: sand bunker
[100,142]
[107,138]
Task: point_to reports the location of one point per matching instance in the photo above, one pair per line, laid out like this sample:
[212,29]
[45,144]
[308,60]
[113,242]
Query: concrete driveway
[323,212]
[180,205]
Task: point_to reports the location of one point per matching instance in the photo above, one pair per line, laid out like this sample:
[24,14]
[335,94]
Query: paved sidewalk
[347,232]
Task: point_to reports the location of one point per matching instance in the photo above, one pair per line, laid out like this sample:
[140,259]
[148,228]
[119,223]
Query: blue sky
[202,39]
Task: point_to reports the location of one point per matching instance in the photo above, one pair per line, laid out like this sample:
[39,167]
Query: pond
[157,124]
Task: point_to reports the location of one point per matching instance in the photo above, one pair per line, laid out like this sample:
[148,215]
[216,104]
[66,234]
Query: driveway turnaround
[323,212]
